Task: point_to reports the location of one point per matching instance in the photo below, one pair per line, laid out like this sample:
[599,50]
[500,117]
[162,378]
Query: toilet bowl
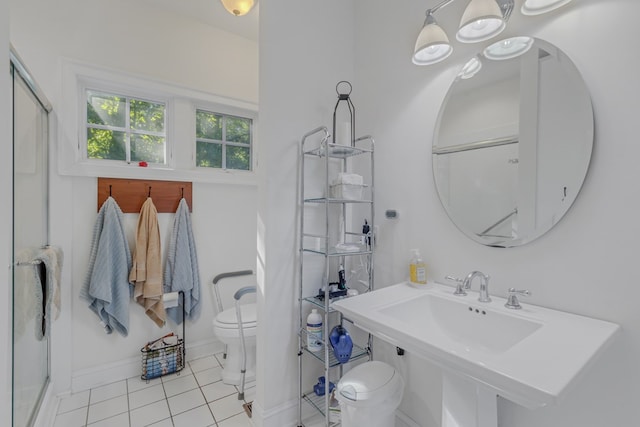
[225,328]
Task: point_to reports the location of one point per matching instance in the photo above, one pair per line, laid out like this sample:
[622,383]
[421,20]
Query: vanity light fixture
[238,7]
[484,19]
[471,68]
[481,20]
[433,44]
[537,7]
[508,48]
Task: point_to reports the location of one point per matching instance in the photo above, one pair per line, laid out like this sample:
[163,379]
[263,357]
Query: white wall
[585,265]
[6,173]
[152,44]
[306,48]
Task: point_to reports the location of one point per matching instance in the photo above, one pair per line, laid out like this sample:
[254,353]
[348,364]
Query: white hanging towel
[181,269]
[51,258]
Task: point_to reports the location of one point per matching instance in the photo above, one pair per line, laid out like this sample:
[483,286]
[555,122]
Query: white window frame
[181,104]
[226,143]
[127,128]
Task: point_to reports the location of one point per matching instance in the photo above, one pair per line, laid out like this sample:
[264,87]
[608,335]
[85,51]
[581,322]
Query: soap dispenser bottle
[417,268]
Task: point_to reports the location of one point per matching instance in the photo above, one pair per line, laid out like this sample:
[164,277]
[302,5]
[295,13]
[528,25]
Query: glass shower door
[30,232]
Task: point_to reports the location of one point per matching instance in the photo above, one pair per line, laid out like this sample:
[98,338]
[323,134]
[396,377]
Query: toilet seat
[227,320]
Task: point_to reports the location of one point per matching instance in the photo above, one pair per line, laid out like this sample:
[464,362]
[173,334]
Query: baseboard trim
[86,379]
[405,419]
[48,409]
[285,414]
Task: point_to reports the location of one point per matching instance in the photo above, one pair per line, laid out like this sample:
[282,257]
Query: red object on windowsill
[143,164]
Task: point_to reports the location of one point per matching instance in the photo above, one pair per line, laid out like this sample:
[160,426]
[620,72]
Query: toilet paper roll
[170,299]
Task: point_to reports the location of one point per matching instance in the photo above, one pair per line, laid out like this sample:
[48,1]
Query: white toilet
[225,328]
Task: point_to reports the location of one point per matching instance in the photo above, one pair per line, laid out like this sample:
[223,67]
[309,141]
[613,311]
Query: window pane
[105,144]
[238,130]
[238,158]
[146,116]
[208,125]
[147,148]
[103,109]
[208,155]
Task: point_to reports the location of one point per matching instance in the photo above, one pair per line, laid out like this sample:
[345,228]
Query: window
[125,128]
[223,141]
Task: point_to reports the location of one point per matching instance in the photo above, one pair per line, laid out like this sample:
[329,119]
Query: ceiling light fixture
[537,7]
[238,7]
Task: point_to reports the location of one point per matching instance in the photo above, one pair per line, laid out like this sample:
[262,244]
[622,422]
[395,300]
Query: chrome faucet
[484,285]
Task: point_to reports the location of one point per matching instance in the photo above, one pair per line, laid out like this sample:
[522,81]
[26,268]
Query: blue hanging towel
[181,269]
[106,287]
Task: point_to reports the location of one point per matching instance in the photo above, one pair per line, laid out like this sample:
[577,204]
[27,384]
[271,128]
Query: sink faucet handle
[512,299]
[459,285]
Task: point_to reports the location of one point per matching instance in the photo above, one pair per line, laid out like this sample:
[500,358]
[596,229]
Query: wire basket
[163,356]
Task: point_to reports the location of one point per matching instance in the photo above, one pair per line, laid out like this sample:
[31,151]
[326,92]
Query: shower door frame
[19,71]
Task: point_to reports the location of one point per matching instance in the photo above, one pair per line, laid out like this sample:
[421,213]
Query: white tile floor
[195,398]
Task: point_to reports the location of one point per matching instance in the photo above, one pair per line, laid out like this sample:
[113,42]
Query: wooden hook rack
[132,193]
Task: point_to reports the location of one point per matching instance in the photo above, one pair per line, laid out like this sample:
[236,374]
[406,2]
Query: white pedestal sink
[530,356]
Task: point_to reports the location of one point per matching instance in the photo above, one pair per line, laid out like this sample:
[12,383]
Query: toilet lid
[228,319]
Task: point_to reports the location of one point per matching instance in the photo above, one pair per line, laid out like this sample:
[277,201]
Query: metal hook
[182,190]
[149,191]
[110,190]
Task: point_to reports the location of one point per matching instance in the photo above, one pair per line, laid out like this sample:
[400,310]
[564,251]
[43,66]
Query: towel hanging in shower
[106,286]
[181,269]
[146,272]
[27,293]
[50,261]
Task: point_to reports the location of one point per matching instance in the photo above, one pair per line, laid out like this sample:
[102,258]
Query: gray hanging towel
[106,286]
[181,269]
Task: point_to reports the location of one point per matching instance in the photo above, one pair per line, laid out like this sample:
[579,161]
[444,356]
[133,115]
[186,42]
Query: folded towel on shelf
[181,271]
[146,272]
[106,286]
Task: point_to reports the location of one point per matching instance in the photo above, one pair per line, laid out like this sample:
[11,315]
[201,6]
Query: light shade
[471,68]
[432,44]
[238,7]
[536,7]
[508,48]
[481,20]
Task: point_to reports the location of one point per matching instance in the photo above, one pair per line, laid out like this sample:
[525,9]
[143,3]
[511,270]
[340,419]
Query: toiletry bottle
[342,281]
[314,331]
[417,269]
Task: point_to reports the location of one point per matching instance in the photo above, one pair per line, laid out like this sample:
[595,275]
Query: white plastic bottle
[314,331]
[417,268]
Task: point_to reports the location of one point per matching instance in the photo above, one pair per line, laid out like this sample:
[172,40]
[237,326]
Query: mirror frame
[587,140]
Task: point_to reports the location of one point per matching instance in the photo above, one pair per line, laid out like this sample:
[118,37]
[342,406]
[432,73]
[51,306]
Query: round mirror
[513,142]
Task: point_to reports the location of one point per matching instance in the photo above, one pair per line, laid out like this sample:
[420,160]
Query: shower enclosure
[31,364]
